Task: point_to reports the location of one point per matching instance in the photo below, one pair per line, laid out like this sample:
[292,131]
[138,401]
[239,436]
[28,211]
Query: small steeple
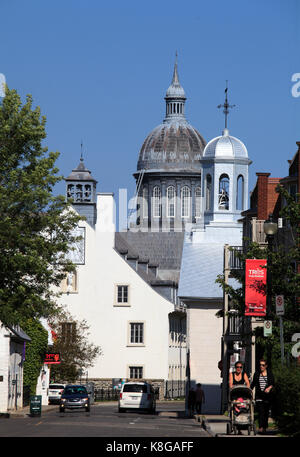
[175,96]
[226,107]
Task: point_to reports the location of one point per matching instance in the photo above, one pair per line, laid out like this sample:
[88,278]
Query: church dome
[225,146]
[173,145]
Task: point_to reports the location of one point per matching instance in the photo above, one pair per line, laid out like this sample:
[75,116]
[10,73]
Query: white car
[54,392]
[137,395]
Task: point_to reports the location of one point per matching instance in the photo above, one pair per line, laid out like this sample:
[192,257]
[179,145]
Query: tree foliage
[76,352]
[35,352]
[283,261]
[35,226]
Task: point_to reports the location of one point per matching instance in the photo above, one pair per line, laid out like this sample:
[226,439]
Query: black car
[74,397]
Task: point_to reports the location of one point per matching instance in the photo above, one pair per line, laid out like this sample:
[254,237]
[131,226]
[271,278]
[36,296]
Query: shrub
[286,411]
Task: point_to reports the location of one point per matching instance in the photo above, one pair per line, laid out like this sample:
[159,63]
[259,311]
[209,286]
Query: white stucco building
[128,318]
[12,355]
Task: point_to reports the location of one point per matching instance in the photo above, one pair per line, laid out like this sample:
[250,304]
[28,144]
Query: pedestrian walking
[263,381]
[239,376]
[191,401]
[200,398]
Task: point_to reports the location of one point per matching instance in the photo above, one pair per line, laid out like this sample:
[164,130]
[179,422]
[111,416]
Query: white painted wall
[205,333]
[4,366]
[109,324]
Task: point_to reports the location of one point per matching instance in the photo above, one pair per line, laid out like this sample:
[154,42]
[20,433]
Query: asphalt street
[104,420]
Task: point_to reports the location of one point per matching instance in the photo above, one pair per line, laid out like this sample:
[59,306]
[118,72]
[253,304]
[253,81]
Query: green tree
[285,279]
[76,352]
[35,226]
[35,352]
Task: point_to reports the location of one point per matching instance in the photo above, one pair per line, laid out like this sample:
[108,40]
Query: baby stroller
[241,410]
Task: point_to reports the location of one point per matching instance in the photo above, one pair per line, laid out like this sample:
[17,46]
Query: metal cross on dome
[226,105]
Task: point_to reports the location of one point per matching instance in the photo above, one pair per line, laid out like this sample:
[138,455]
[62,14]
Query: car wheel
[88,409]
[61,410]
[121,410]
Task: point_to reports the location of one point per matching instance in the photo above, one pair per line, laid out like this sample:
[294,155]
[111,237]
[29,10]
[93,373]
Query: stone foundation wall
[107,383]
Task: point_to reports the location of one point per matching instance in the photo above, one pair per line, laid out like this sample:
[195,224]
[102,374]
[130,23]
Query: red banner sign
[256,280]
[52,358]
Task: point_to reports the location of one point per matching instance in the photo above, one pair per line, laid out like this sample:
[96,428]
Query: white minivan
[54,392]
[137,395]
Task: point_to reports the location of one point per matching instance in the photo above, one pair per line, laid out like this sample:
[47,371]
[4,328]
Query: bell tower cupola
[81,191]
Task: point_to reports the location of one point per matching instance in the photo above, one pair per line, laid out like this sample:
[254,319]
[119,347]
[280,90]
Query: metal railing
[175,389]
[257,229]
[235,324]
[106,394]
[234,262]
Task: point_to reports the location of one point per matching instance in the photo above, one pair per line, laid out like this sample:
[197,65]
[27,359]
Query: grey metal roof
[225,146]
[201,264]
[161,248]
[81,173]
[18,333]
[172,145]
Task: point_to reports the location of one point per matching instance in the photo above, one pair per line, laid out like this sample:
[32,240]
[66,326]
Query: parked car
[54,392]
[137,395]
[74,397]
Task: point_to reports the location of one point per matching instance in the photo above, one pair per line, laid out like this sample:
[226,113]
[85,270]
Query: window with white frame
[122,294]
[170,201]
[185,201]
[156,202]
[136,372]
[70,283]
[198,202]
[136,335]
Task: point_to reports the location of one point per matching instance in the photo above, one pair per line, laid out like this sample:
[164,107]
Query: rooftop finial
[226,106]
[175,73]
[81,154]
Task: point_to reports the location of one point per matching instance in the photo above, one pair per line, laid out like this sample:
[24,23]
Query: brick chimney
[262,195]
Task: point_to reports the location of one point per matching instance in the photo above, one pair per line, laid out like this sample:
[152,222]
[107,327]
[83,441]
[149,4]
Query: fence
[175,389]
[107,394]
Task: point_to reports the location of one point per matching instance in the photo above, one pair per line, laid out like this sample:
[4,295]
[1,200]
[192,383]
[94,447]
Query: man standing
[200,398]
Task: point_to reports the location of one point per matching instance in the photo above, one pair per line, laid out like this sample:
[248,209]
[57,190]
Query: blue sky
[100,70]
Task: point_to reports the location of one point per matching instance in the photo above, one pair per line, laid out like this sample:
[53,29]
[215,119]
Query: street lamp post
[270,229]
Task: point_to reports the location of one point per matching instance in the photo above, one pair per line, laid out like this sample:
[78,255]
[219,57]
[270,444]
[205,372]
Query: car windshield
[56,386]
[75,390]
[141,388]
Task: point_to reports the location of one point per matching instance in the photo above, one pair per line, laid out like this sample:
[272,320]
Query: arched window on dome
[198,202]
[145,202]
[185,201]
[208,193]
[170,201]
[240,193]
[223,199]
[156,202]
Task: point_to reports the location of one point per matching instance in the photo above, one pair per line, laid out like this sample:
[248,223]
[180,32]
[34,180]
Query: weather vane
[226,105]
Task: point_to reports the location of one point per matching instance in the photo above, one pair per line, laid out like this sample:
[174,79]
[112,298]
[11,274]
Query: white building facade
[127,318]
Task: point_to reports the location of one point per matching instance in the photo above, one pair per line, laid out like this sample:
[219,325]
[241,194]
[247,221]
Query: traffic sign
[279,305]
[267,328]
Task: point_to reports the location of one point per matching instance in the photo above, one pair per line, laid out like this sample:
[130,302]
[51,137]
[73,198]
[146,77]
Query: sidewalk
[216,425]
